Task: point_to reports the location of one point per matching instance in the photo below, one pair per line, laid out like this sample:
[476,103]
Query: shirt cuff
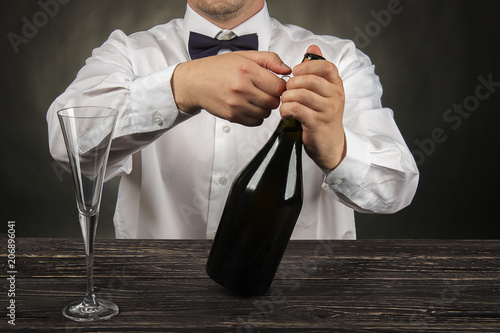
[352,171]
[152,105]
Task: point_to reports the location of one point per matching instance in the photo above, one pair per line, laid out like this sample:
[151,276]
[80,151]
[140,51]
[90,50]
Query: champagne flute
[87,134]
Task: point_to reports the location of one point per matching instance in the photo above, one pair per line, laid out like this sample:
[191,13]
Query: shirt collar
[260,23]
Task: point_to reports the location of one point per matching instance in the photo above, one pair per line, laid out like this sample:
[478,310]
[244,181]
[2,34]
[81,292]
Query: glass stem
[88,223]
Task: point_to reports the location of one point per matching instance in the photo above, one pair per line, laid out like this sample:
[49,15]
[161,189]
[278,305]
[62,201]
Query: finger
[321,68]
[314,83]
[310,119]
[262,89]
[253,115]
[299,100]
[269,83]
[314,49]
[264,100]
[246,114]
[250,121]
[268,60]
[298,111]
[264,77]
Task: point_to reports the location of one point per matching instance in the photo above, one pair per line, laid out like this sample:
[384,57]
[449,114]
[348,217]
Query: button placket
[220,176]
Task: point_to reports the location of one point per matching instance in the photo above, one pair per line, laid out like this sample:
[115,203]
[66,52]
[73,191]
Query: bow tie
[201,46]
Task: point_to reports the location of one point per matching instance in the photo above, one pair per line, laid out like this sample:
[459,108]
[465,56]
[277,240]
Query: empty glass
[87,134]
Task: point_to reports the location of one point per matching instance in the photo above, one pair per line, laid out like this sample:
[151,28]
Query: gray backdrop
[437,60]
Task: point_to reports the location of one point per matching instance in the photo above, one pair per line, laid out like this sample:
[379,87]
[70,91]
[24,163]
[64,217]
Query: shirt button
[157,119]
[223,181]
[337,181]
[226,129]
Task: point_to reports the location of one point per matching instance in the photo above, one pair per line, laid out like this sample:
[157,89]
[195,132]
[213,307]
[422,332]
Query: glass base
[79,311]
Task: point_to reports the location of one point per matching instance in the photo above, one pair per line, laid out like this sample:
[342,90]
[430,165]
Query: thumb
[268,60]
[314,49]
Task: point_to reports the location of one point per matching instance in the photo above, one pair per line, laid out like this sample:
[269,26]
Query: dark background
[429,56]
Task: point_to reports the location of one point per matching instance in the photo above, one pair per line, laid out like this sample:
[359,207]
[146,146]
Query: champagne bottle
[262,208]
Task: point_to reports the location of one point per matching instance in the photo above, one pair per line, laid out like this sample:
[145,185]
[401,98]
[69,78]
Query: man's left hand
[315,97]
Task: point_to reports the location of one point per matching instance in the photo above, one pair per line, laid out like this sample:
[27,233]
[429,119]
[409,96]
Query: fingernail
[284,66]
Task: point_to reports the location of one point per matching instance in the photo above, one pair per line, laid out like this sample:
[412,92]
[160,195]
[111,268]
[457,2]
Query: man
[188,123]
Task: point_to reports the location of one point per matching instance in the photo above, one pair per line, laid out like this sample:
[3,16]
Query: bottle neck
[290,125]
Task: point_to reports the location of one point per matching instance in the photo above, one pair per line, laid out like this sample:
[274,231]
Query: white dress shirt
[177,169]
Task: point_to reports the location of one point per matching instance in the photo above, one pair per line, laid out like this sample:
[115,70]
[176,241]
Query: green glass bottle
[262,208]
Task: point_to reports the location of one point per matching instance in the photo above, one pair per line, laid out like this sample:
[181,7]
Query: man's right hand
[237,86]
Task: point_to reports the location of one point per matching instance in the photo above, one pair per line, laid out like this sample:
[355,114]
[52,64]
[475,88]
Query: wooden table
[321,286]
